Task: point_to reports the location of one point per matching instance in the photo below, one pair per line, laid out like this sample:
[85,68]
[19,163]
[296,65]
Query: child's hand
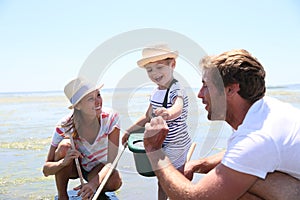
[125,137]
[163,112]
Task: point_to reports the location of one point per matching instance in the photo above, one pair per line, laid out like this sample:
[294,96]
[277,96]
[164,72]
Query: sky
[44,44]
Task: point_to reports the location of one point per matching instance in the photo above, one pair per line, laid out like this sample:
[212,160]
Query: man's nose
[200,94]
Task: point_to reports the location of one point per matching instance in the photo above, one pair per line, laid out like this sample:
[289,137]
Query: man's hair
[238,66]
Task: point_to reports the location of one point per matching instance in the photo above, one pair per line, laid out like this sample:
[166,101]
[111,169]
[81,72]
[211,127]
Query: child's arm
[173,112]
[138,124]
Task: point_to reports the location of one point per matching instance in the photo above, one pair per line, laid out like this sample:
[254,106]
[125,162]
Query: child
[167,100]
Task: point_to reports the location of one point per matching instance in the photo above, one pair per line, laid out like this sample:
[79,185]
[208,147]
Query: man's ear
[232,89]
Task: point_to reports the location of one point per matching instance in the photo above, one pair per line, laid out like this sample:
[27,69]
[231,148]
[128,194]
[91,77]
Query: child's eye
[149,70]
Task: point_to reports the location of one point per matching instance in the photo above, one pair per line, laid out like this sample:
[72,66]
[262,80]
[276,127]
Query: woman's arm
[113,145]
[51,167]
[59,158]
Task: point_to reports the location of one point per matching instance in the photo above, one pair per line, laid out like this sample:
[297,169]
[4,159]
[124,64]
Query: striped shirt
[96,153]
[178,140]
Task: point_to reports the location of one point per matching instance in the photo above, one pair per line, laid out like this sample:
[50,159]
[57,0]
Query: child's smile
[160,74]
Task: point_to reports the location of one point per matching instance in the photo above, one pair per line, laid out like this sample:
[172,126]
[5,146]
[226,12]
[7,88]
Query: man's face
[213,98]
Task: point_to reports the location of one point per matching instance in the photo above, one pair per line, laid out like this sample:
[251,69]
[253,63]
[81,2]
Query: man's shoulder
[281,109]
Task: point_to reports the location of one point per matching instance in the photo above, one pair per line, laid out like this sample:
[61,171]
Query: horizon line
[49,91]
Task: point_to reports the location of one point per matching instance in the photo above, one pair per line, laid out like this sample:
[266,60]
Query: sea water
[27,123]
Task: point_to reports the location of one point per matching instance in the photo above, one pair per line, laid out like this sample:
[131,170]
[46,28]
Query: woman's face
[91,104]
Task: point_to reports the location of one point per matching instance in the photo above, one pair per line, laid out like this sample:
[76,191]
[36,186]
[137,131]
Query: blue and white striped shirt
[178,138]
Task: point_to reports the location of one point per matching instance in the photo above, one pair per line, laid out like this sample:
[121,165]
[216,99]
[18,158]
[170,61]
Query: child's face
[161,72]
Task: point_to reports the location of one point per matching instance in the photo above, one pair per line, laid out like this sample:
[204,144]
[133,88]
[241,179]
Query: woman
[95,132]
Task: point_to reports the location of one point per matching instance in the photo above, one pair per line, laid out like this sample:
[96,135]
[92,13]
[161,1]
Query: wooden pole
[112,167]
[77,163]
[190,152]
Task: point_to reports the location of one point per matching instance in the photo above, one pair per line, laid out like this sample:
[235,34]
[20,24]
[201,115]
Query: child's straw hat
[156,53]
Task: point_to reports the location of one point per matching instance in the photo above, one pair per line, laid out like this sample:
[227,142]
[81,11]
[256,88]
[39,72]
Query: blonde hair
[72,124]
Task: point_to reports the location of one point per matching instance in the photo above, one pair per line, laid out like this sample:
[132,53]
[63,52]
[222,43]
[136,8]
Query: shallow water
[27,121]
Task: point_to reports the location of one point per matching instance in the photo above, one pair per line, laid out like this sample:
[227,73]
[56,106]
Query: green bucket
[142,163]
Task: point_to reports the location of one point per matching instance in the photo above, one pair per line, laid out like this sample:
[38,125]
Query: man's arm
[277,185]
[203,165]
[220,183]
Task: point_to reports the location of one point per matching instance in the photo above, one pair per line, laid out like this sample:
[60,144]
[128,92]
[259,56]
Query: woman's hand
[87,191]
[70,156]
[125,137]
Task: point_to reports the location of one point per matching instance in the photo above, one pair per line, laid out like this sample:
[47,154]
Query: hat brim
[87,92]
[145,61]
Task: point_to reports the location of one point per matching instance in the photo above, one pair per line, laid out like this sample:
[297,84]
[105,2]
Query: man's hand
[189,169]
[155,133]
[203,165]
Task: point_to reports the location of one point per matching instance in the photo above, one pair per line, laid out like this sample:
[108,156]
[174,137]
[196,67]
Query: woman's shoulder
[107,112]
[109,117]
[65,119]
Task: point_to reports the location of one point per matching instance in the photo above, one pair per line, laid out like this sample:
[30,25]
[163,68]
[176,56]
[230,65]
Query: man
[263,154]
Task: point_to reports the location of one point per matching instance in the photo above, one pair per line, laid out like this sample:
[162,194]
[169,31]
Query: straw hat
[156,53]
[78,88]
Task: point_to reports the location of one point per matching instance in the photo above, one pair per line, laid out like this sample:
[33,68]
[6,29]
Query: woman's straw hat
[77,88]
[156,53]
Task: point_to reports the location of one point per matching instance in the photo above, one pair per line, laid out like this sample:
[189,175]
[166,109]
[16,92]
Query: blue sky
[43,44]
